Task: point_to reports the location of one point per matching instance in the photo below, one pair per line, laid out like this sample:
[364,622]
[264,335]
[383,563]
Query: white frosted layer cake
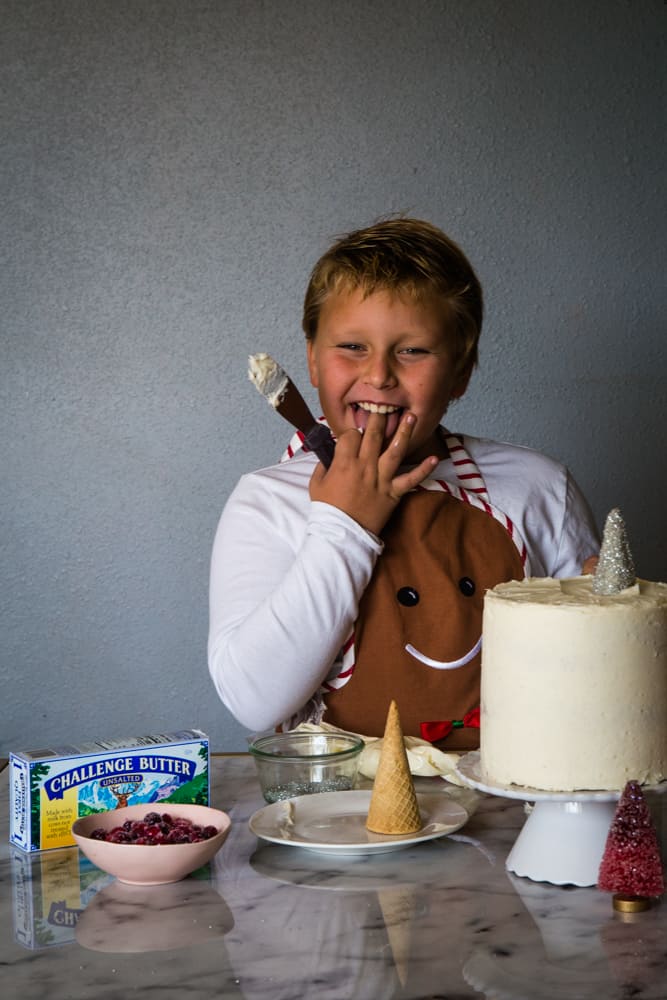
[574,685]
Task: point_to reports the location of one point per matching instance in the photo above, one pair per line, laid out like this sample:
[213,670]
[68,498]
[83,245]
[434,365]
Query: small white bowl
[145,864]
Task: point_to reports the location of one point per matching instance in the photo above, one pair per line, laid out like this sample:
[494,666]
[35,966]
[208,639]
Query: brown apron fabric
[437,550]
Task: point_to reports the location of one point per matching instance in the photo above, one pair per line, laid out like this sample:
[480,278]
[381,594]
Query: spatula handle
[320,440]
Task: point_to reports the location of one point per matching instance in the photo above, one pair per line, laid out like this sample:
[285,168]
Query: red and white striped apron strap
[467,473]
[295,444]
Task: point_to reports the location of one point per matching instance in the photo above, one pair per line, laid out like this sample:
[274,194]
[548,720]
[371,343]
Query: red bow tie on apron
[435,731]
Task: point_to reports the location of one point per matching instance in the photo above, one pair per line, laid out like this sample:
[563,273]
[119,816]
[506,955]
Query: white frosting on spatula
[268,376]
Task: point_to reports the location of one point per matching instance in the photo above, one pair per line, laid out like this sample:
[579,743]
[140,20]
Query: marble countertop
[442,920]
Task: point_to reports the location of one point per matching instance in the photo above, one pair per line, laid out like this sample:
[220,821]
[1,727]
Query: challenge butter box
[49,789]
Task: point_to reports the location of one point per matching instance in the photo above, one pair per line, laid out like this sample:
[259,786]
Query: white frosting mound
[574,685]
[268,376]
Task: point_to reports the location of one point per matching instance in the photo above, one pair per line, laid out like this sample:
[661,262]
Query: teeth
[378,407]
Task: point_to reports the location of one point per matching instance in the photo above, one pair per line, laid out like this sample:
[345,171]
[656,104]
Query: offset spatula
[273,382]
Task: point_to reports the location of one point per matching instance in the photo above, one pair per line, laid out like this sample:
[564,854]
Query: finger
[318,474]
[348,443]
[395,454]
[372,441]
[400,442]
[407,481]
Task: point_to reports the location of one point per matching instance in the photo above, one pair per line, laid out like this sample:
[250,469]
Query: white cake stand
[564,836]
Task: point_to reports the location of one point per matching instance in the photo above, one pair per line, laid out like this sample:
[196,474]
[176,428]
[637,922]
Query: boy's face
[388,352]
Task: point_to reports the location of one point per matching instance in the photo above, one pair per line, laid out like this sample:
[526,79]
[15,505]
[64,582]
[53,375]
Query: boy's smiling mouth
[391,411]
[377,407]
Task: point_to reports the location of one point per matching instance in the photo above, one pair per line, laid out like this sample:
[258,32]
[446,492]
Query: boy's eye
[413,350]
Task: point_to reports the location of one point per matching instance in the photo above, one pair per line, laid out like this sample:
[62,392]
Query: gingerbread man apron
[418,635]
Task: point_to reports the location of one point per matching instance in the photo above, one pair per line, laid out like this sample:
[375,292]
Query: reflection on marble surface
[132,918]
[443,919]
[572,957]
[50,891]
[324,873]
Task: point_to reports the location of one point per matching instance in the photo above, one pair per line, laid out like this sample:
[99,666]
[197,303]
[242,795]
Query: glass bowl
[299,763]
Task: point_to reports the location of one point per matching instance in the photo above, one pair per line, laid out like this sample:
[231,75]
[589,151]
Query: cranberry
[120,837]
[156,829]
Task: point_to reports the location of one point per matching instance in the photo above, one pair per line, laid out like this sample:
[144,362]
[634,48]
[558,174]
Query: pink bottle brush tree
[631,862]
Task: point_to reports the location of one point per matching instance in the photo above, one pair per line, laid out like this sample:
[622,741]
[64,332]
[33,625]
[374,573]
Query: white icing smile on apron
[445,664]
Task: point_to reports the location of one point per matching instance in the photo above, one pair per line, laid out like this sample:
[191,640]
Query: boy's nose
[379,373]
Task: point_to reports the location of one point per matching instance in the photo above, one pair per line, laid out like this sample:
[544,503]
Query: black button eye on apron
[467,586]
[408,597]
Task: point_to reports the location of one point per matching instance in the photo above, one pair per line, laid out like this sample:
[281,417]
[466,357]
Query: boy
[335,590]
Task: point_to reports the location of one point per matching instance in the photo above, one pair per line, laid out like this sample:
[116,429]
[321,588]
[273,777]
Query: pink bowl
[143,864]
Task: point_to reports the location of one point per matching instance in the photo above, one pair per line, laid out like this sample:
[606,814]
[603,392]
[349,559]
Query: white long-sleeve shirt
[287,573]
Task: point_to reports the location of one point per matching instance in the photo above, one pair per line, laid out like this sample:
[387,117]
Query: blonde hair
[409,258]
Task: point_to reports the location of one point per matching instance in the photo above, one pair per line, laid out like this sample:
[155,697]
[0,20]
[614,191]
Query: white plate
[335,823]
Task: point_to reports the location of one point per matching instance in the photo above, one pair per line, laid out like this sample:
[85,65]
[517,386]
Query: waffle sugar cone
[399,907]
[393,808]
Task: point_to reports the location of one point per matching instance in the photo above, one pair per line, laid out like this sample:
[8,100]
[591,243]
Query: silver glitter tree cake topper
[615,570]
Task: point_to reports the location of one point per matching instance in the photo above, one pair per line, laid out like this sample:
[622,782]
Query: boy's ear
[312,365]
[461,385]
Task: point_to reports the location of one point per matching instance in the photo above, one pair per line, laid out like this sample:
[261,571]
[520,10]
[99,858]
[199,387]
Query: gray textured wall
[170,172]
